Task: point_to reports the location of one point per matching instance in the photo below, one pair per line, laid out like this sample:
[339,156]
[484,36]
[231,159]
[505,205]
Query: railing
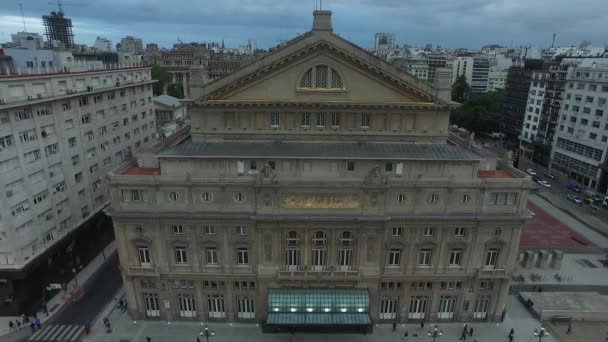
[306,273]
[135,270]
[492,273]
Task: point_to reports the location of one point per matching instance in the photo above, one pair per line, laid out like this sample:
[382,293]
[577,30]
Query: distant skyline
[448,23]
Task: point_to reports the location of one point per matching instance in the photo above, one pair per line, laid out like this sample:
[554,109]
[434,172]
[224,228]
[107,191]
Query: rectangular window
[388,167]
[180,255]
[135,195]
[242,256]
[503,198]
[394,257]
[397,231]
[51,150]
[455,257]
[424,257]
[6,141]
[491,257]
[275,120]
[211,255]
[305,119]
[350,165]
[177,229]
[459,231]
[209,230]
[144,256]
[365,120]
[320,120]
[241,230]
[428,231]
[335,119]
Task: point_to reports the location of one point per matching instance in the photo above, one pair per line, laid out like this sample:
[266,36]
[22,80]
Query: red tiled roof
[494,174]
[142,171]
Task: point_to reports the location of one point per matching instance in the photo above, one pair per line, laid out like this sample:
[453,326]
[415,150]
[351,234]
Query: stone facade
[318,166]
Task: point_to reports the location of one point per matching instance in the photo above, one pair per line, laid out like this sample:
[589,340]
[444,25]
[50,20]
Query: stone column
[543,259]
[528,261]
[556,259]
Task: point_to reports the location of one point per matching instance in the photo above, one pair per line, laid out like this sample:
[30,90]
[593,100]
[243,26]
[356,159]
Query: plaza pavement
[124,329]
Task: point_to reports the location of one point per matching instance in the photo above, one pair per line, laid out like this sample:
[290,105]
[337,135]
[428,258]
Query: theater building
[318,187]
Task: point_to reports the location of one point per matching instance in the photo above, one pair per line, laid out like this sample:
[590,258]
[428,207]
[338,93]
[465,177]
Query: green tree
[163,78]
[481,114]
[176,90]
[461,90]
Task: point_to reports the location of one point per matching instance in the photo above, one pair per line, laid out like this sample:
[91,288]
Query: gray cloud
[463,23]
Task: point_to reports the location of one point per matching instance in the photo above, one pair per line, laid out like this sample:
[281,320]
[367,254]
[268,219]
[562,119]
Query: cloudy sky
[449,23]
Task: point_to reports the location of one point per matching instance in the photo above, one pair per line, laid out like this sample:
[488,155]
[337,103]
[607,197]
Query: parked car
[550,175]
[544,183]
[531,172]
[588,200]
[574,187]
[574,199]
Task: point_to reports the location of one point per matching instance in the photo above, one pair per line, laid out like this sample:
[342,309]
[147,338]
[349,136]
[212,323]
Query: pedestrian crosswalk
[58,333]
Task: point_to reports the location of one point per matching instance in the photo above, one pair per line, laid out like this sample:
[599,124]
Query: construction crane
[60,4]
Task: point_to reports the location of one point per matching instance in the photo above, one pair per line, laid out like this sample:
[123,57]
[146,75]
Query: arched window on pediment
[321,76]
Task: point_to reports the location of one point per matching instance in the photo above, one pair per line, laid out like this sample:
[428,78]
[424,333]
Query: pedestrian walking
[421,324]
[471,331]
[569,331]
[405,335]
[148,338]
[37,322]
[11,326]
[121,303]
[394,326]
[463,336]
[511,338]
[33,326]
[18,324]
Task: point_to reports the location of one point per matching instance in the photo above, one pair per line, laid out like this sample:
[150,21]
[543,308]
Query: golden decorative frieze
[320,201]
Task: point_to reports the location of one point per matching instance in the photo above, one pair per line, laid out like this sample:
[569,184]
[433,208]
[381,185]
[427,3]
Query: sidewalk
[125,329]
[58,301]
[578,266]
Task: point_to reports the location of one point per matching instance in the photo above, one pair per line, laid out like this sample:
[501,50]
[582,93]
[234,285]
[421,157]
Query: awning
[318,307]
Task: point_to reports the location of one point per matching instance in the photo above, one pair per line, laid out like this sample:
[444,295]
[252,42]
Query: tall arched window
[321,77]
[345,251]
[319,251]
[292,251]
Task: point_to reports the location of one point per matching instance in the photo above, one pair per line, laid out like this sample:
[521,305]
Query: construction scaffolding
[58,28]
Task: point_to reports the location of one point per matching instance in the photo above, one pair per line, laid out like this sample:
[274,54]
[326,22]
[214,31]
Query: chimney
[322,21]
[443,84]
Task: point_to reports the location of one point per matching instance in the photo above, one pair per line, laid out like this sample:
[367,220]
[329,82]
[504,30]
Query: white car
[574,199]
[531,172]
[545,184]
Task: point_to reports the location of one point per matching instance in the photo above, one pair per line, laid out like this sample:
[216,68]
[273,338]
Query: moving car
[588,200]
[574,199]
[531,172]
[574,187]
[550,175]
[544,183]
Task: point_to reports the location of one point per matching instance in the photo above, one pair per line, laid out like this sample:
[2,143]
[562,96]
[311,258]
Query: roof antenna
[22,17]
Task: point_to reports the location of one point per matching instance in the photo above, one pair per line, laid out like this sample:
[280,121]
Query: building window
[401,198]
[134,195]
[241,230]
[242,256]
[209,230]
[275,121]
[239,197]
[292,251]
[305,119]
[365,120]
[394,257]
[335,119]
[324,77]
[424,257]
[455,257]
[503,198]
[397,231]
[388,167]
[345,251]
[491,257]
[350,165]
[144,256]
[177,229]
[173,196]
[180,255]
[206,197]
[428,231]
[211,255]
[459,231]
[319,251]
[466,198]
[433,198]
[320,120]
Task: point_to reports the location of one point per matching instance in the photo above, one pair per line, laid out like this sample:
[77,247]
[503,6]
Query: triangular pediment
[277,76]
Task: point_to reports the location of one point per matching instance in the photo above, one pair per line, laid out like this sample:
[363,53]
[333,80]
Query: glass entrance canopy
[293,306]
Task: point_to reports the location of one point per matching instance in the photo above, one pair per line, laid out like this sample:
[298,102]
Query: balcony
[141,271]
[492,273]
[305,273]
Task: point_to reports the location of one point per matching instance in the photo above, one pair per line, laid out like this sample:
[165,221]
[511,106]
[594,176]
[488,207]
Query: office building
[102,44]
[132,45]
[317,190]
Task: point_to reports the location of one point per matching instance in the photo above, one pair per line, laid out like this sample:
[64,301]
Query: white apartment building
[132,45]
[475,69]
[497,78]
[27,40]
[581,142]
[60,133]
[462,66]
[102,44]
[534,105]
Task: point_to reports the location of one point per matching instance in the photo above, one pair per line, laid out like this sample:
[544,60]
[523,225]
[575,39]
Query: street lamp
[540,333]
[207,333]
[435,332]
